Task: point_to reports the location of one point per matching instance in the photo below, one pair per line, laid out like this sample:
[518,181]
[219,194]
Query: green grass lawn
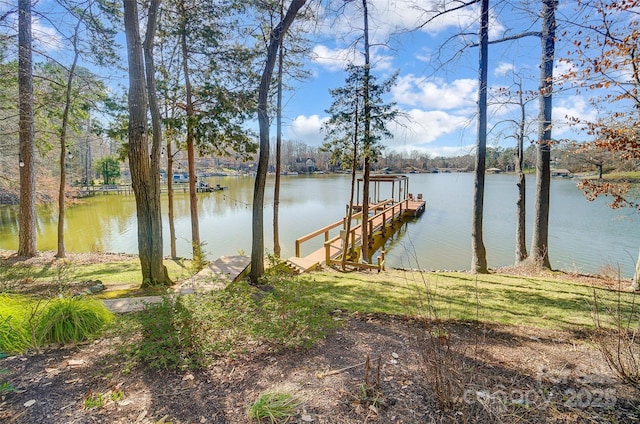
[553,301]
[122,278]
[546,302]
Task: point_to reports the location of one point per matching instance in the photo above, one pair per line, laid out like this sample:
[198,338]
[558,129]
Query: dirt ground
[373,368]
[493,374]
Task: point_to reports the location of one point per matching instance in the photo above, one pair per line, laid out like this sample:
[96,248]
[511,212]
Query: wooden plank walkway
[386,213]
[213,277]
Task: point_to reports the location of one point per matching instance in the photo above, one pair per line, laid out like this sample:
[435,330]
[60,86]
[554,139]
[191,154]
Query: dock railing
[376,222]
[323,230]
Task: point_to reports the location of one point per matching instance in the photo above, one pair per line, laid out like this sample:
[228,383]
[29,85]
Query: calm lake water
[583,236]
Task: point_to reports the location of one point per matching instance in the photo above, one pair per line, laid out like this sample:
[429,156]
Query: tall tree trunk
[479,253]
[191,160]
[159,270]
[276,188]
[257,244]
[521,205]
[540,243]
[521,210]
[26,159]
[170,207]
[367,138]
[153,270]
[63,145]
[349,246]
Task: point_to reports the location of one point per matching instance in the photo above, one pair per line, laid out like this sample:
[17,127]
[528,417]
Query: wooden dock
[386,215]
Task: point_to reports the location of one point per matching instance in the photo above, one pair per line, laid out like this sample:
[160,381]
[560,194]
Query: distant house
[180,177]
[560,173]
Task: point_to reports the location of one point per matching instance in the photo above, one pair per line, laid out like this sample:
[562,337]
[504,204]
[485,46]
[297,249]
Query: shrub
[71,319]
[620,347]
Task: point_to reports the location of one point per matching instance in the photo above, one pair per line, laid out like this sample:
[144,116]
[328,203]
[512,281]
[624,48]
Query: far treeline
[201,73]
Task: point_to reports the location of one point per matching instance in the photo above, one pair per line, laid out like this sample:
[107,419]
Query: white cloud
[334,59]
[504,69]
[44,37]
[435,93]
[307,129]
[337,59]
[438,151]
[424,127]
[568,107]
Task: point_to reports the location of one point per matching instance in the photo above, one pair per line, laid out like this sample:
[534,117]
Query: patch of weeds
[620,347]
[5,386]
[190,331]
[63,276]
[71,319]
[116,395]
[290,315]
[11,277]
[168,336]
[274,407]
[368,397]
[277,267]
[93,400]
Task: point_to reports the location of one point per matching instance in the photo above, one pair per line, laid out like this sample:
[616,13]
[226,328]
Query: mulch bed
[491,374]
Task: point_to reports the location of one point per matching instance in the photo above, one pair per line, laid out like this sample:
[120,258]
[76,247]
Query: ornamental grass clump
[14,329]
[274,407]
[71,320]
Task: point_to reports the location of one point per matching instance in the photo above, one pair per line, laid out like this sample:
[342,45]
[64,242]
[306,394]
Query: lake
[583,236]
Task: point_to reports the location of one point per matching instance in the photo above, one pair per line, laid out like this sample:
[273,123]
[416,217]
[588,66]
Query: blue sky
[437,82]
[437,86]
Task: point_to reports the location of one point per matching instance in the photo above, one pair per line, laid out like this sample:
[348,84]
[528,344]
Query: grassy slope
[547,302]
[553,301]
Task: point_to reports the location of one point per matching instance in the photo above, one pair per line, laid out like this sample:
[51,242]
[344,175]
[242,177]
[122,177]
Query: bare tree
[275,39]
[540,243]
[478,250]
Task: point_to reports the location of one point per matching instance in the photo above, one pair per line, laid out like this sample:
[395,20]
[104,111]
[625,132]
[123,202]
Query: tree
[521,210]
[518,128]
[343,139]
[540,242]
[479,252]
[27,220]
[608,62]
[109,168]
[206,110]
[100,49]
[290,68]
[367,142]
[345,135]
[145,185]
[275,39]
[547,36]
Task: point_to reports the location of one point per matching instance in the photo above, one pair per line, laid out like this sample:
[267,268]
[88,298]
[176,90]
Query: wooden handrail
[325,230]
